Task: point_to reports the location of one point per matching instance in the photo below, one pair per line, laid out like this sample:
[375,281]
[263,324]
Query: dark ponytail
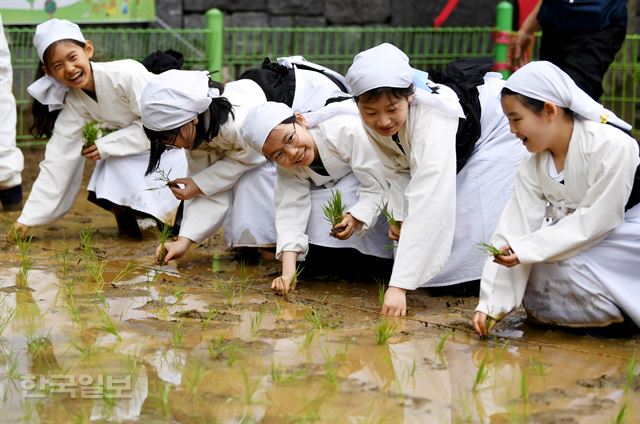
[43,119]
[219,111]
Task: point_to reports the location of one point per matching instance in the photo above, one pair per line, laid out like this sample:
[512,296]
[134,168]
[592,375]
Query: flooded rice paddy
[92,331]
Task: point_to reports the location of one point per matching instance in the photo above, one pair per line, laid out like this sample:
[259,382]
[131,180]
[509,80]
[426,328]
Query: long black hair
[43,119]
[219,111]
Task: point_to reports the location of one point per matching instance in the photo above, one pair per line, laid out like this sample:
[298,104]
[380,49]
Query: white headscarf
[546,82]
[174,98]
[387,66]
[47,90]
[261,120]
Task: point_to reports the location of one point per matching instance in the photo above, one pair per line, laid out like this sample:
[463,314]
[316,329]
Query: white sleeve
[293,207]
[429,222]
[11,159]
[610,174]
[366,167]
[397,180]
[58,182]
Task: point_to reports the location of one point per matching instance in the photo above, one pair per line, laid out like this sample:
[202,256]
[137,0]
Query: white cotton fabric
[174,98]
[544,81]
[47,90]
[261,120]
[119,85]
[343,149]
[11,159]
[218,165]
[599,171]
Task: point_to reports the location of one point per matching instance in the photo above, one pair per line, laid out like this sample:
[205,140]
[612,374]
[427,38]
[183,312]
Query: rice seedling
[11,365]
[96,272]
[524,386]
[385,331]
[537,366]
[211,314]
[162,177]
[193,378]
[333,210]
[23,243]
[71,305]
[491,250]
[86,243]
[6,315]
[296,275]
[256,322]
[277,309]
[63,257]
[164,236]
[280,375]
[308,339]
[441,342]
[107,324]
[131,363]
[330,365]
[164,399]
[177,336]
[481,373]
[250,387]
[220,347]
[381,291]
[91,131]
[178,294]
[631,373]
[86,351]
[620,418]
[314,317]
[388,215]
[124,273]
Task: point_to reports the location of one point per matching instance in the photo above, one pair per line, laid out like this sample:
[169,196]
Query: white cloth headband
[47,90]
[546,82]
[260,120]
[174,98]
[387,66]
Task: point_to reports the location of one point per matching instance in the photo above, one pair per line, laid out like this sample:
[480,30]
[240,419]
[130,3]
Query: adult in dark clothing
[581,37]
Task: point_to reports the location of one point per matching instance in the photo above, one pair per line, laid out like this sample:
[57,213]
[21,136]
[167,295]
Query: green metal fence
[246,47]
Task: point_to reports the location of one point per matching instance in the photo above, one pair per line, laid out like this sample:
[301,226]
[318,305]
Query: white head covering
[387,66]
[260,120]
[47,90]
[174,98]
[546,82]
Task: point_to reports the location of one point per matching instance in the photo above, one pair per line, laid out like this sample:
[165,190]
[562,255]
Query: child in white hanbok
[75,91]
[422,137]
[316,154]
[571,231]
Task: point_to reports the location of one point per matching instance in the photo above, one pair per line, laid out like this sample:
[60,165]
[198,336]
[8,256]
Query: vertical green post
[504,25]
[214,40]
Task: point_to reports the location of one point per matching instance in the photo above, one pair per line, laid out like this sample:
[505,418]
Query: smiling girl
[71,92]
[572,227]
[315,154]
[422,136]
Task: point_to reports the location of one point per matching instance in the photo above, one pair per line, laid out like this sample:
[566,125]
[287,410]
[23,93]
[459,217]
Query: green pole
[214,40]
[504,25]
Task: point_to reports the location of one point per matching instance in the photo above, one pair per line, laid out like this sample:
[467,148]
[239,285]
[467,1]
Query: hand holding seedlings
[91,131]
[345,228]
[162,177]
[504,256]
[395,302]
[334,210]
[184,188]
[482,323]
[91,152]
[394,225]
[282,284]
[17,230]
[174,249]
[394,232]
[164,236]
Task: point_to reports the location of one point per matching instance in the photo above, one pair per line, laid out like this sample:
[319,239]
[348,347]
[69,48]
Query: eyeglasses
[290,140]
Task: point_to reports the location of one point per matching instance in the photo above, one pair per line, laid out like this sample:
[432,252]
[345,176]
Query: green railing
[244,48]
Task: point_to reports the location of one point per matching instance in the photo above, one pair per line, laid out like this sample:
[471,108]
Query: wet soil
[103,334]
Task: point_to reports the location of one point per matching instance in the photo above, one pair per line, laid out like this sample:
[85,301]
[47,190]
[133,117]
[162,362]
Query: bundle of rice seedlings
[91,131]
[334,210]
[162,177]
[388,215]
[491,250]
[164,236]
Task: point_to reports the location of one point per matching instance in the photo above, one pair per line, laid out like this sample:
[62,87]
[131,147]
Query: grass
[388,215]
[481,374]
[164,236]
[334,209]
[491,250]
[162,177]
[385,331]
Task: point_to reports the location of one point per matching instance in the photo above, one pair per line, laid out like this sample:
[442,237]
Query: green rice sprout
[63,257]
[631,372]
[385,331]
[86,243]
[315,319]
[481,374]
[388,215]
[524,386]
[256,322]
[91,131]
[123,273]
[296,275]
[381,291]
[162,177]
[108,326]
[491,250]
[6,315]
[621,415]
[443,339]
[334,210]
[165,233]
[177,336]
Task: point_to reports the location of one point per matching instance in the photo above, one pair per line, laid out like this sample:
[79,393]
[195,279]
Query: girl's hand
[395,302]
[346,227]
[175,249]
[518,48]
[91,152]
[394,232]
[507,260]
[189,188]
[17,230]
[281,284]
[480,323]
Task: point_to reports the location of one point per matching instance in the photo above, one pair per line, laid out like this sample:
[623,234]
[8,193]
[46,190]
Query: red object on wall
[444,13]
[524,8]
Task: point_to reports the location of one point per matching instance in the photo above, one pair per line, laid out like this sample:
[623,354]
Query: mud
[102,334]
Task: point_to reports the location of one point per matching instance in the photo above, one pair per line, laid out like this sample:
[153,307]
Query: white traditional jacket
[421,172]
[598,177]
[118,87]
[343,148]
[216,165]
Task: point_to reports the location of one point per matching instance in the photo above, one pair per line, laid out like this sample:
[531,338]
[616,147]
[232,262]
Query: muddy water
[97,333]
